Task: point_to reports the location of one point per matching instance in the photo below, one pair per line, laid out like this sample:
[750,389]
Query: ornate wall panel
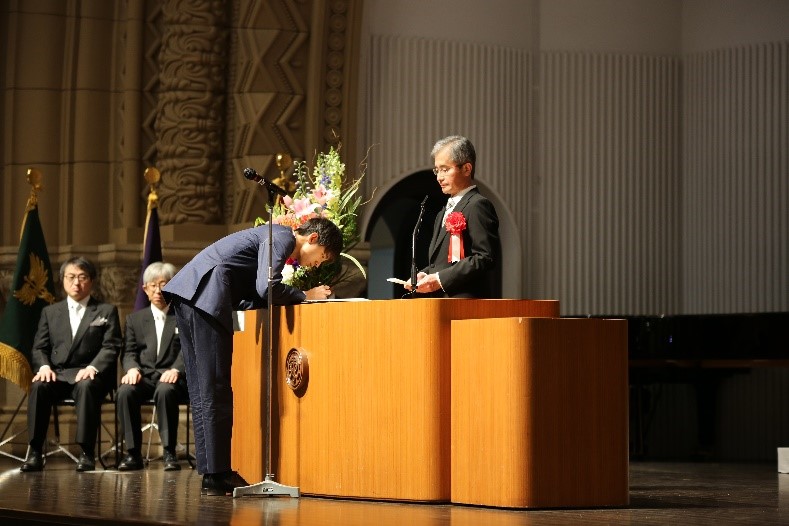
[290,85]
[190,125]
[267,83]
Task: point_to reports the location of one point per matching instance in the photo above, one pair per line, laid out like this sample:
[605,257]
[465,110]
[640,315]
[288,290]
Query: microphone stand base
[267,488]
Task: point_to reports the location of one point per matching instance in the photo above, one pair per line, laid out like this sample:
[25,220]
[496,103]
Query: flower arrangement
[324,193]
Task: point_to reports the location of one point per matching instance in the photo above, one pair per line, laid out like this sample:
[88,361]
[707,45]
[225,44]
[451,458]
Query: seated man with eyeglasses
[154,369]
[74,355]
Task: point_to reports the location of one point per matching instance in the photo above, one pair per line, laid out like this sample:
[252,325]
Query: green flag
[31,290]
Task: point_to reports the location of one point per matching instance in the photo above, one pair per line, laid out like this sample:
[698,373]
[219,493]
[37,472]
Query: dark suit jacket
[232,274]
[97,342]
[478,274]
[140,350]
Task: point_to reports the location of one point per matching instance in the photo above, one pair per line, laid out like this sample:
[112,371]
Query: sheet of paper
[398,281]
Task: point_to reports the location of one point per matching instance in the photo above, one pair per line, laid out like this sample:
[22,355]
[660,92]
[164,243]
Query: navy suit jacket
[141,352]
[97,342]
[232,274]
[478,274]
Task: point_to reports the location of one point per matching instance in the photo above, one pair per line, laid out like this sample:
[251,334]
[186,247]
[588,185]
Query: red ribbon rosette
[455,224]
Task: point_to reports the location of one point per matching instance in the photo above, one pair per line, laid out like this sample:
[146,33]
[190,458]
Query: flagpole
[151,241]
[34,180]
[152,176]
[31,288]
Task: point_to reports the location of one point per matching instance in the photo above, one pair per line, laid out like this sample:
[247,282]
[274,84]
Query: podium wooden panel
[539,412]
[374,420]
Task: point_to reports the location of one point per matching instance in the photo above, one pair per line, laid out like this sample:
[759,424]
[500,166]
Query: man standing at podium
[465,251]
[232,274]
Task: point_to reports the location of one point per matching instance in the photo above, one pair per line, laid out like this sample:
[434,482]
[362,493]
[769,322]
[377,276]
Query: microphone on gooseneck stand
[413,245]
[253,176]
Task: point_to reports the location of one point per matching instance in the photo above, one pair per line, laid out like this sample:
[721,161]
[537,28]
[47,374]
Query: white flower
[287,273]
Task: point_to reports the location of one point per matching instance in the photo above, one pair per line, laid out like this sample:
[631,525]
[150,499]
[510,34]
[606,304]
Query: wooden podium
[374,418]
[539,419]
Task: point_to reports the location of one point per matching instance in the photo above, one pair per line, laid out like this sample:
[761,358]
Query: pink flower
[322,195]
[300,207]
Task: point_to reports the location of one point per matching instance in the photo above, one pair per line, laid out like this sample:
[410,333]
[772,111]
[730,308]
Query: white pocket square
[176,330]
[98,322]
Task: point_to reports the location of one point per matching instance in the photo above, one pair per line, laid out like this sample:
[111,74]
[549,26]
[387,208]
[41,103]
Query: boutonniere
[98,322]
[455,225]
[176,330]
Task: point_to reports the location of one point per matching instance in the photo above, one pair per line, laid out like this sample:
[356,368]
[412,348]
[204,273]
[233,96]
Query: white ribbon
[454,248]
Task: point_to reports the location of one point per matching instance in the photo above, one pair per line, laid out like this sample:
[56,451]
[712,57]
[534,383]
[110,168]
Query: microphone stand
[268,487]
[413,246]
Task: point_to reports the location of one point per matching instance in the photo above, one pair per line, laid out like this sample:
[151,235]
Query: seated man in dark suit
[154,368]
[74,353]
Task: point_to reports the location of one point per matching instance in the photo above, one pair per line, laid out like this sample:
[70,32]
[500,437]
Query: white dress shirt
[76,310]
[159,316]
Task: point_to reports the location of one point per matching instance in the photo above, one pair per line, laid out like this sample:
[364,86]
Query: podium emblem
[296,370]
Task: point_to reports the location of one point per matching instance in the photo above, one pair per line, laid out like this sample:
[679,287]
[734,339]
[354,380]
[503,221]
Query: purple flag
[152,252]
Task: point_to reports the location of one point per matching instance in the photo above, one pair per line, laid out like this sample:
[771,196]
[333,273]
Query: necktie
[75,316]
[158,320]
[450,205]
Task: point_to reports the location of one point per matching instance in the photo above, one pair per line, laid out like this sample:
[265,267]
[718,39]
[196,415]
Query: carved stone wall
[291,89]
[93,92]
[190,125]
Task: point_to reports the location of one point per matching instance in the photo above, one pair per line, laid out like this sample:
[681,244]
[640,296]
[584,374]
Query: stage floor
[660,493]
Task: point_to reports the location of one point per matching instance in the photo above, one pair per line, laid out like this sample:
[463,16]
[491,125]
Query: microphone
[413,245]
[253,176]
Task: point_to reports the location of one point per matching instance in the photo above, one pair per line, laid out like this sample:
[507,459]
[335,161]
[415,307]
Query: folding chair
[69,402]
[154,426]
[4,440]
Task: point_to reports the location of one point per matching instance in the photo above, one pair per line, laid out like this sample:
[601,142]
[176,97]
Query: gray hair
[158,269]
[461,151]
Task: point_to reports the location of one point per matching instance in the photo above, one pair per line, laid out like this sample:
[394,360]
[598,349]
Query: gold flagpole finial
[284,162]
[152,176]
[34,180]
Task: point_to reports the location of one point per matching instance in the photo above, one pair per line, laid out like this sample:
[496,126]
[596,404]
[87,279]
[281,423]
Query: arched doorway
[390,225]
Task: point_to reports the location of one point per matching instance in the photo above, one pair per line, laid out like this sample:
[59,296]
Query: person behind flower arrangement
[232,274]
[467,266]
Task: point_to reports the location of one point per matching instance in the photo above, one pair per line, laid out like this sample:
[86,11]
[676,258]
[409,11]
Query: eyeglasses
[153,286]
[443,170]
[71,278]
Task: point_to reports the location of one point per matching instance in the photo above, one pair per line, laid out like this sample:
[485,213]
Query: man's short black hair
[81,263]
[329,235]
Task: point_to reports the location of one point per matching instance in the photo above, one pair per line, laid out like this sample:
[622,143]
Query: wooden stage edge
[661,493]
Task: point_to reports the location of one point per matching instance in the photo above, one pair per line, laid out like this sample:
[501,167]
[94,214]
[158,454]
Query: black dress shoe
[131,462]
[221,483]
[170,461]
[86,462]
[34,462]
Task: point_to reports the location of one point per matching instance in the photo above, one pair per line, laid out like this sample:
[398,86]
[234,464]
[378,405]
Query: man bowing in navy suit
[465,251]
[232,274]
[154,368]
